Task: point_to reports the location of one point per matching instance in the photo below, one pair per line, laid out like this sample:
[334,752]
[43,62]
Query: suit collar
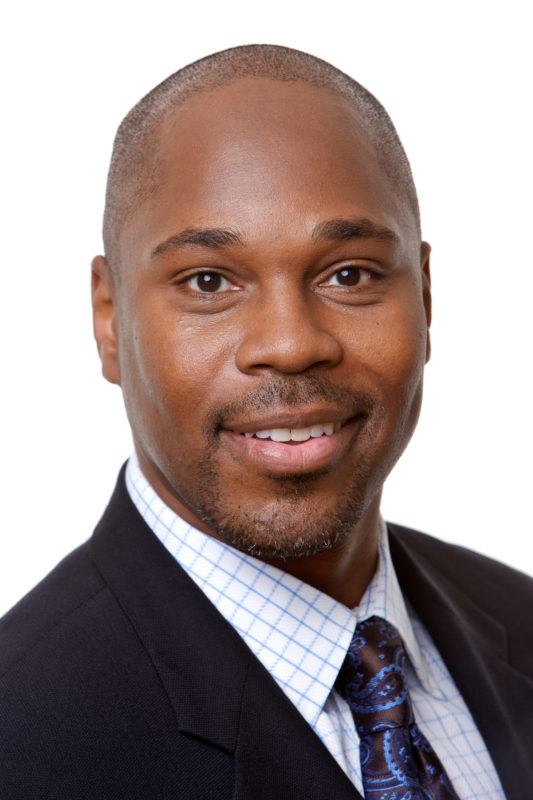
[278,753]
[178,626]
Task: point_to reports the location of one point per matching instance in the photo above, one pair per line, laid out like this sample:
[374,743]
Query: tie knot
[372,678]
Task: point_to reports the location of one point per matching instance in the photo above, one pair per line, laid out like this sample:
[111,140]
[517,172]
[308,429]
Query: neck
[344,571]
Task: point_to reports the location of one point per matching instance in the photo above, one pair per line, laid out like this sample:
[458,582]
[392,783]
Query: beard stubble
[289,525]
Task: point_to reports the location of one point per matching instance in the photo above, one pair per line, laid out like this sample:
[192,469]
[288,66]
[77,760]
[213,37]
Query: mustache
[298,390]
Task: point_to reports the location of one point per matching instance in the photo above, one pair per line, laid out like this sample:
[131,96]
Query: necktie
[397,762]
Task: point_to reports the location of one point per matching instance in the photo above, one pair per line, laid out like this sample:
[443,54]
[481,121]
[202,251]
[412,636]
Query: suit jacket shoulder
[83,713]
[478,613]
[476,573]
[62,593]
[119,679]
[504,594]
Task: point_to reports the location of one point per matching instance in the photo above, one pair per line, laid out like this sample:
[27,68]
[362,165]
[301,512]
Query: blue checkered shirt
[301,636]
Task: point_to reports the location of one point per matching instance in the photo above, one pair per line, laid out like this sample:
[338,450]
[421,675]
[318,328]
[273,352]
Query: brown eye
[349,276]
[208,282]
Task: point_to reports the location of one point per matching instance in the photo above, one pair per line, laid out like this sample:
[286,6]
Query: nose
[287,333]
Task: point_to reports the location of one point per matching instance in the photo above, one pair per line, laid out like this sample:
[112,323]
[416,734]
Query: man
[264,305]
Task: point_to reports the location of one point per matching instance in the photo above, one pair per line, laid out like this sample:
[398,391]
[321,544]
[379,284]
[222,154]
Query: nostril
[294,348]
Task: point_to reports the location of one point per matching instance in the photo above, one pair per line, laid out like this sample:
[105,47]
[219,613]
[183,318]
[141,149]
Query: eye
[348,276]
[208,283]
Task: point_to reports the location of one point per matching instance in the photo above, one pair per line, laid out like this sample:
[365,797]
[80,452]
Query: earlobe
[425,251]
[104,318]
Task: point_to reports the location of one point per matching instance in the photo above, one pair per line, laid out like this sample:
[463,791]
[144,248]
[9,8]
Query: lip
[297,457]
[288,420]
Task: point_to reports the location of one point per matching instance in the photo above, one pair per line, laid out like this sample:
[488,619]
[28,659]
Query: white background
[456,78]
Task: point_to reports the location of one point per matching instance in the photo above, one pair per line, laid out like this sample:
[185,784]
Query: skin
[276,334]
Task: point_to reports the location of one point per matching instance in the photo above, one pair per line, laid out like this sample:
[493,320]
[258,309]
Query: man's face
[272,287]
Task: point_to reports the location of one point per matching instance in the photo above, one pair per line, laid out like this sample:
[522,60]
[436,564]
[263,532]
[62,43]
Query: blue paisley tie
[397,762]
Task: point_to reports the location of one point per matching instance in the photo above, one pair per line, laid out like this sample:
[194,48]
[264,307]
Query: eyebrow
[339,230]
[214,238]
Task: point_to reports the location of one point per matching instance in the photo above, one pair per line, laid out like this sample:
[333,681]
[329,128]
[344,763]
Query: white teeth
[300,434]
[297,434]
[280,435]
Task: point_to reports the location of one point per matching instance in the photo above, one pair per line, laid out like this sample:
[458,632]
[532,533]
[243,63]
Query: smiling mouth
[296,449]
[296,435]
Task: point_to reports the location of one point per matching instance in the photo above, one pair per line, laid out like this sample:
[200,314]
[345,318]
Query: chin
[293,525]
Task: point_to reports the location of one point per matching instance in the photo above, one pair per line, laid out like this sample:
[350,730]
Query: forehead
[264,153]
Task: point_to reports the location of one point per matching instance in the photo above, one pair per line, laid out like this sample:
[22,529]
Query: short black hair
[132,173]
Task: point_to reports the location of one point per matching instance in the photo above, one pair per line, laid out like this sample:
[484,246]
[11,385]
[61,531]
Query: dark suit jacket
[119,679]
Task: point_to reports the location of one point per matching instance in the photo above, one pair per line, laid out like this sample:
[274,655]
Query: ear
[425,251]
[104,318]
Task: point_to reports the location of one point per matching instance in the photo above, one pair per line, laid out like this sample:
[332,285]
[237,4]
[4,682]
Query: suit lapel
[278,754]
[201,663]
[219,691]
[473,645]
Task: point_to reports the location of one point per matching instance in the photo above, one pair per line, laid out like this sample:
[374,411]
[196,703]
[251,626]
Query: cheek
[392,344]
[171,370]
[391,353]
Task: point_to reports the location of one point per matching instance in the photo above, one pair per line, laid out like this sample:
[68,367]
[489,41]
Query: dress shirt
[301,636]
